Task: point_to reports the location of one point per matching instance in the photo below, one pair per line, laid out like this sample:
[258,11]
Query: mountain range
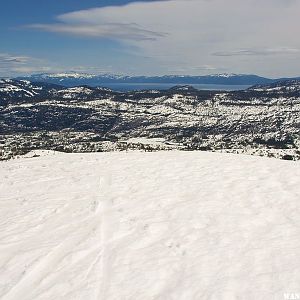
[75,79]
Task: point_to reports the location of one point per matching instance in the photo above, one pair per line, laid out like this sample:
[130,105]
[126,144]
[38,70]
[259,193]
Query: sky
[180,37]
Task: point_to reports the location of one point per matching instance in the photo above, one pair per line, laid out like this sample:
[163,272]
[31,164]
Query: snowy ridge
[282,86]
[22,88]
[74,92]
[18,89]
[166,225]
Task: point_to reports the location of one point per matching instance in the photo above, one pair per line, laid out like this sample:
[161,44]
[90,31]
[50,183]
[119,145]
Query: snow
[79,89]
[13,88]
[68,75]
[226,75]
[153,142]
[76,75]
[147,141]
[163,225]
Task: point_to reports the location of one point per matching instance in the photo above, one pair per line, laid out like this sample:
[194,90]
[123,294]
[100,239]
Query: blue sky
[150,37]
[55,52]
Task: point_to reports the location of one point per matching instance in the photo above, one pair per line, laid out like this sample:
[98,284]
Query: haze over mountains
[74,79]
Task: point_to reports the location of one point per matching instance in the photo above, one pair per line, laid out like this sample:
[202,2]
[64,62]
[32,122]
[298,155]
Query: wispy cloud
[12,65]
[7,59]
[257,52]
[121,31]
[16,65]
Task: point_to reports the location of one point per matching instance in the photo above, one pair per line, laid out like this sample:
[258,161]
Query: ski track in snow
[166,225]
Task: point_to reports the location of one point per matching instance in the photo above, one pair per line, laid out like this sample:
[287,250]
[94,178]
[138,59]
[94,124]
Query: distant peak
[65,75]
[226,75]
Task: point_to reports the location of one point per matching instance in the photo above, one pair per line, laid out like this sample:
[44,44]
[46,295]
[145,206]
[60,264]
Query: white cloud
[257,52]
[183,33]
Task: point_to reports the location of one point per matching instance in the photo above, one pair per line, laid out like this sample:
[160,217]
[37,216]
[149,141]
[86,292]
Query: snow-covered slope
[166,225]
[20,88]
[84,119]
[281,86]
[81,92]
[23,90]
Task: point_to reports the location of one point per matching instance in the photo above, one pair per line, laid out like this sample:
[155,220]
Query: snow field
[164,225]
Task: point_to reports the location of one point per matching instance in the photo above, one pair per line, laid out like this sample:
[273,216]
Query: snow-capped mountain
[263,119]
[75,79]
[227,75]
